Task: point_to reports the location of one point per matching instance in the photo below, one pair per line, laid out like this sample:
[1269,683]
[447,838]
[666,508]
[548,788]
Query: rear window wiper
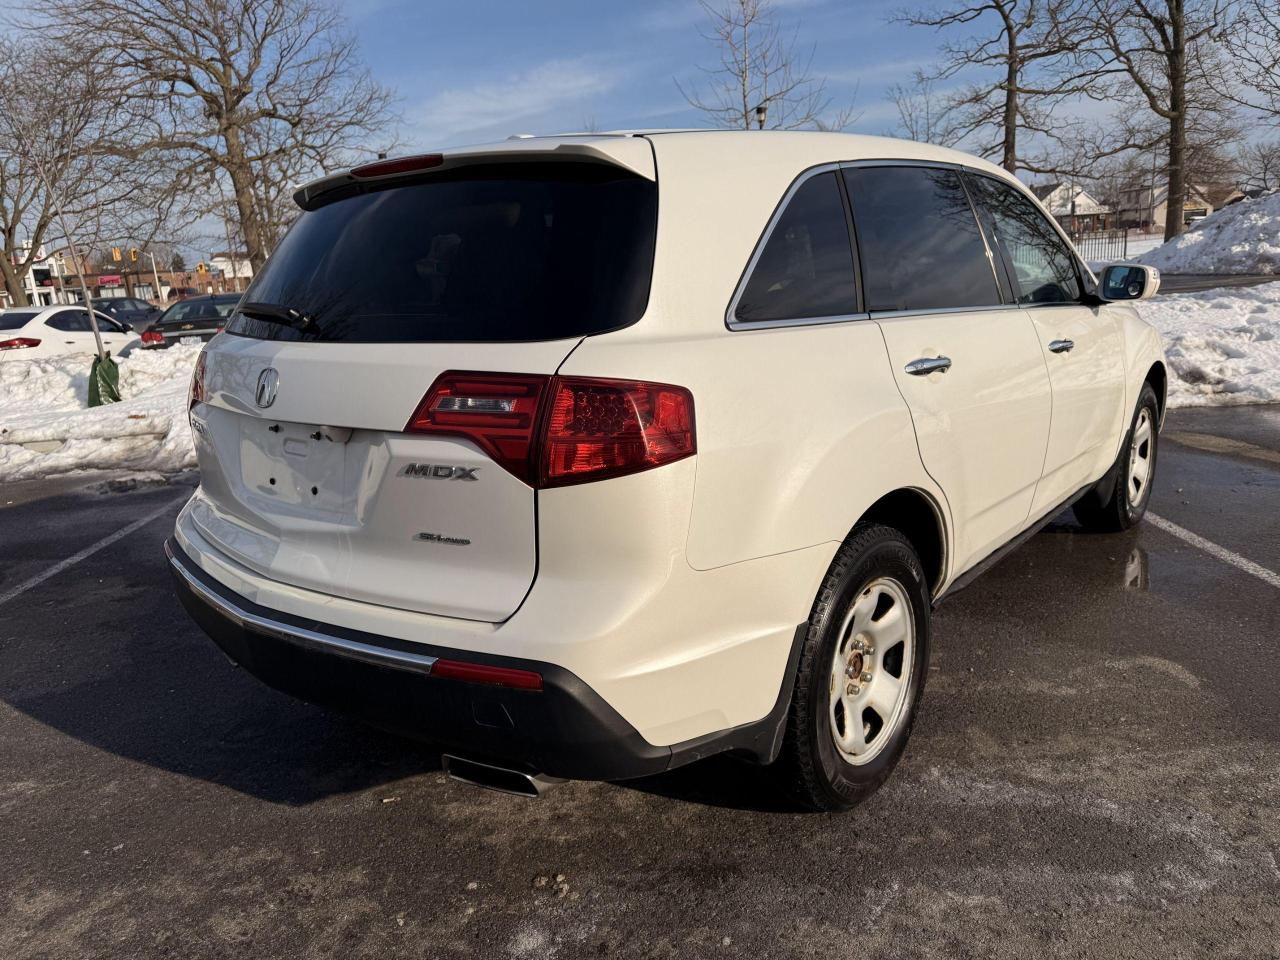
[285,316]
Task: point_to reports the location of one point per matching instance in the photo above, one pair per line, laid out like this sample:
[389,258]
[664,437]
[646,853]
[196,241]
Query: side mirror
[1129,281]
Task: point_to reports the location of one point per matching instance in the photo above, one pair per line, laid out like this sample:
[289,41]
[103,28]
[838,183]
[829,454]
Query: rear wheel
[861,672]
[1124,502]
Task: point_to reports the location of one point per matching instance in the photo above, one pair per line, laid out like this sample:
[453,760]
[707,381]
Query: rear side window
[806,267]
[13,319]
[532,251]
[1039,263]
[918,239]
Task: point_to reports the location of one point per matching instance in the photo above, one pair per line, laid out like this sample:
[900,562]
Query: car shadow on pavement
[120,666]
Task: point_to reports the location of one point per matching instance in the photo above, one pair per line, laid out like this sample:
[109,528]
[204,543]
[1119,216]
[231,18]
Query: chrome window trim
[733,323]
[731,314]
[931,311]
[300,636]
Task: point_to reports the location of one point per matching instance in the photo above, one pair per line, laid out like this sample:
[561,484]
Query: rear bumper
[565,730]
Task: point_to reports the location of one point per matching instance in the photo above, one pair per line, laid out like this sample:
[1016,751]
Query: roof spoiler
[631,153]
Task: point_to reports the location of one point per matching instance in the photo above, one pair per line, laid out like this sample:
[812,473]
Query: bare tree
[761,80]
[1024,59]
[61,123]
[1160,60]
[247,91]
[1259,165]
[1253,37]
[924,114]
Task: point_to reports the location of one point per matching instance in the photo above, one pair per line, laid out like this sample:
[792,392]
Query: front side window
[1039,263]
[806,267]
[70,321]
[918,239]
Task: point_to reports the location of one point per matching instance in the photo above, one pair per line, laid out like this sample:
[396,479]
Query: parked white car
[38,333]
[591,456]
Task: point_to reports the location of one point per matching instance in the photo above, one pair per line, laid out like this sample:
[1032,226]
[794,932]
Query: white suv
[590,456]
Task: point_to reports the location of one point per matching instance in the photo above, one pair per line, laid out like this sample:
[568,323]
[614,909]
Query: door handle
[1061,346]
[927,365]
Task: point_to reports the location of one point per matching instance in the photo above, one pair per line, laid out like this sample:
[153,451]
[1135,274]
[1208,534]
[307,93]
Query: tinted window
[1041,266]
[13,319]
[70,321]
[919,242]
[806,267]
[511,252]
[223,306]
[198,309]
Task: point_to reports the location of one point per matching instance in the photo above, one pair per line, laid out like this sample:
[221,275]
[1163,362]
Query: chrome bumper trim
[300,636]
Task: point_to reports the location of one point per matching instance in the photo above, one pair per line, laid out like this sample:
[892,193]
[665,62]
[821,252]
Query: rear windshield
[208,309]
[535,251]
[13,319]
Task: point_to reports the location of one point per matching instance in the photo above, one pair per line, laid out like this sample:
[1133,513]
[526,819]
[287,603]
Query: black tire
[1116,508]
[814,769]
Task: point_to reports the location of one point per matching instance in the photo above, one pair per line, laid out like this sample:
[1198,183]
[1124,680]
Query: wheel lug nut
[866,678]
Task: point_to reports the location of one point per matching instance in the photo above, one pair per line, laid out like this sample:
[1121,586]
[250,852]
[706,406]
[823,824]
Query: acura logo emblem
[268,384]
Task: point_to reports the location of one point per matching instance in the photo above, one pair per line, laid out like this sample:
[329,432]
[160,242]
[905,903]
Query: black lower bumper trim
[564,730]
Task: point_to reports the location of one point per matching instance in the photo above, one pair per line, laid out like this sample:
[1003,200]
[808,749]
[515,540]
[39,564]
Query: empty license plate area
[297,467]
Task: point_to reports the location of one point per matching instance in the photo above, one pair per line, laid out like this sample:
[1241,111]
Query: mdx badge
[268,384]
[439,471]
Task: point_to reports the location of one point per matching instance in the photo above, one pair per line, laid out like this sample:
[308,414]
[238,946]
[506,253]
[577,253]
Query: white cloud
[557,89]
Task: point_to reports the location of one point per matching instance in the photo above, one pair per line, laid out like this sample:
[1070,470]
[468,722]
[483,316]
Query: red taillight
[607,428]
[18,343]
[197,382]
[480,673]
[554,431]
[152,336]
[385,168]
[499,413]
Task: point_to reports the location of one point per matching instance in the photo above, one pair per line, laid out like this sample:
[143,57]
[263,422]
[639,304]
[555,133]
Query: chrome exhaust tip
[492,777]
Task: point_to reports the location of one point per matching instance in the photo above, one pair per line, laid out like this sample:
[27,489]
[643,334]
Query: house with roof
[1147,207]
[1073,207]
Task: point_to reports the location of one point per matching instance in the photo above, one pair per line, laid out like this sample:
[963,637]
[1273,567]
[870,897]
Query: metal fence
[1104,245]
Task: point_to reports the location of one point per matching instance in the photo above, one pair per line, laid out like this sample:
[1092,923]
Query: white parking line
[1222,553]
[89,551]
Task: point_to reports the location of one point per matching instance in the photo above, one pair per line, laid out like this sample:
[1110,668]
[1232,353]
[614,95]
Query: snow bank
[1222,345]
[1241,238]
[46,427]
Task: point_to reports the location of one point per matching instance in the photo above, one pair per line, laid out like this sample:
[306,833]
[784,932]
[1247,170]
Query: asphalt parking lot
[1096,773]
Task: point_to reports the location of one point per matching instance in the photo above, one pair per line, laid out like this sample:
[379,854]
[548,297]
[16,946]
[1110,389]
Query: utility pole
[156,273]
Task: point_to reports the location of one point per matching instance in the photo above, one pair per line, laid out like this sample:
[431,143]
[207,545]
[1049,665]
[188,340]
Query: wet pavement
[1096,773]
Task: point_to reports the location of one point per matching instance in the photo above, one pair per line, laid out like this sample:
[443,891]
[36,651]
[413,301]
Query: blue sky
[468,72]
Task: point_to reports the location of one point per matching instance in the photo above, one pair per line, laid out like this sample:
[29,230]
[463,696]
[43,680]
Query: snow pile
[46,427]
[1223,346]
[1241,238]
